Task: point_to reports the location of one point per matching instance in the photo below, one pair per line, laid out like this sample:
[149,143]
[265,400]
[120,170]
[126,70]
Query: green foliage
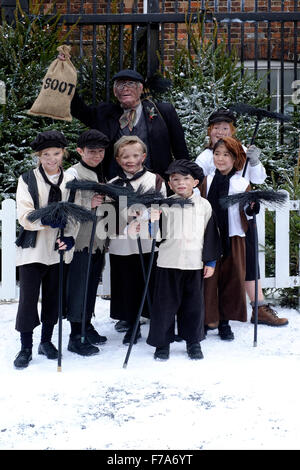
[88,71]
[95,71]
[26,51]
[206,77]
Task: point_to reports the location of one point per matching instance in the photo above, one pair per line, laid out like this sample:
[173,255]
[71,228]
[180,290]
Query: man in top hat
[156,124]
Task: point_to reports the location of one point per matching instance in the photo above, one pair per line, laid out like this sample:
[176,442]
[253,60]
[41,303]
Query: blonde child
[127,282]
[37,258]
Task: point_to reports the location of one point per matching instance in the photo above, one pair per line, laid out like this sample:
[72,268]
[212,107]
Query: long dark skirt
[224,292]
[177,294]
[76,282]
[127,286]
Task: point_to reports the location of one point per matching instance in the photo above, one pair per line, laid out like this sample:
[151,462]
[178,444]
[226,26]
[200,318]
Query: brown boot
[268,316]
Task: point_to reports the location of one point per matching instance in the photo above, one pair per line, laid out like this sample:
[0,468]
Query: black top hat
[93,139]
[186,167]
[128,74]
[222,115]
[49,139]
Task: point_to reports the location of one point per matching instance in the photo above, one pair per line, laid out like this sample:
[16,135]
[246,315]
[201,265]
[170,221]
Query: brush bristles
[149,197]
[243,108]
[112,190]
[274,198]
[140,196]
[62,212]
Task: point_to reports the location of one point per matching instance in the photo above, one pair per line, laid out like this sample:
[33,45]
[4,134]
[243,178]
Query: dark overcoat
[165,133]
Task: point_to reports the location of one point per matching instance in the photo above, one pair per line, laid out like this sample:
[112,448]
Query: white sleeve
[205,161]
[164,189]
[255,174]
[71,172]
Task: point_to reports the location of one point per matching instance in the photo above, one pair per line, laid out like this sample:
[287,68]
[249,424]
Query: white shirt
[123,244]
[43,252]
[183,230]
[255,174]
[237,184]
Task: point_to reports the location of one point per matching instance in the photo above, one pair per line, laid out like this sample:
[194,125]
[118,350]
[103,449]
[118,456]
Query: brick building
[267,40]
[264,33]
[249,29]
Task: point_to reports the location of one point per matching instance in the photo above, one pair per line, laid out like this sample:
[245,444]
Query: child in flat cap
[37,258]
[187,254]
[221,123]
[91,147]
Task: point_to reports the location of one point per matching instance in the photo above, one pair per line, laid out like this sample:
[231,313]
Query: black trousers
[32,276]
[177,293]
[76,281]
[127,286]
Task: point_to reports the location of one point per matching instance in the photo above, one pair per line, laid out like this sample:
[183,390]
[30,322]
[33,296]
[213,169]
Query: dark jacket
[27,238]
[165,134]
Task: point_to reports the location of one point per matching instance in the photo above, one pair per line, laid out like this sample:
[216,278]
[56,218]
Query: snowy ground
[237,397]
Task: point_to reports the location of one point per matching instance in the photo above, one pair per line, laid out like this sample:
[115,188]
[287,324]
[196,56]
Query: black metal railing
[269,36]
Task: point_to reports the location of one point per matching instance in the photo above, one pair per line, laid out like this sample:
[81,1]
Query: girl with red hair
[224,292]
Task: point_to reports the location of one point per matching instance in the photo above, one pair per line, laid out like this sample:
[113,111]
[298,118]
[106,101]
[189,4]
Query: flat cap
[49,139]
[128,74]
[93,139]
[186,167]
[222,115]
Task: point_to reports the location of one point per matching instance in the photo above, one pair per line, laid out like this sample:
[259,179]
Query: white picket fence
[9,289]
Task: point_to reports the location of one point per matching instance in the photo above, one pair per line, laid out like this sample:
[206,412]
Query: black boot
[225,332]
[122,325]
[127,337]
[162,354]
[48,349]
[83,349]
[93,335]
[178,339]
[23,358]
[194,350]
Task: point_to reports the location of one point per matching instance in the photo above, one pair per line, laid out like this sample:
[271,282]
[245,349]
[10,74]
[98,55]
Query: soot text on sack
[55,84]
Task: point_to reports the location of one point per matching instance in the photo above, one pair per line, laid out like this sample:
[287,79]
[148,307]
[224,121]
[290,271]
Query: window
[275,82]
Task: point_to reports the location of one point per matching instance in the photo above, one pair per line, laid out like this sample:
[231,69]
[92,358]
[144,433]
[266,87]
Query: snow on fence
[282,279]
[282,276]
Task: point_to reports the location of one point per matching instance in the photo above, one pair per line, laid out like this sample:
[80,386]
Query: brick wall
[250,31]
